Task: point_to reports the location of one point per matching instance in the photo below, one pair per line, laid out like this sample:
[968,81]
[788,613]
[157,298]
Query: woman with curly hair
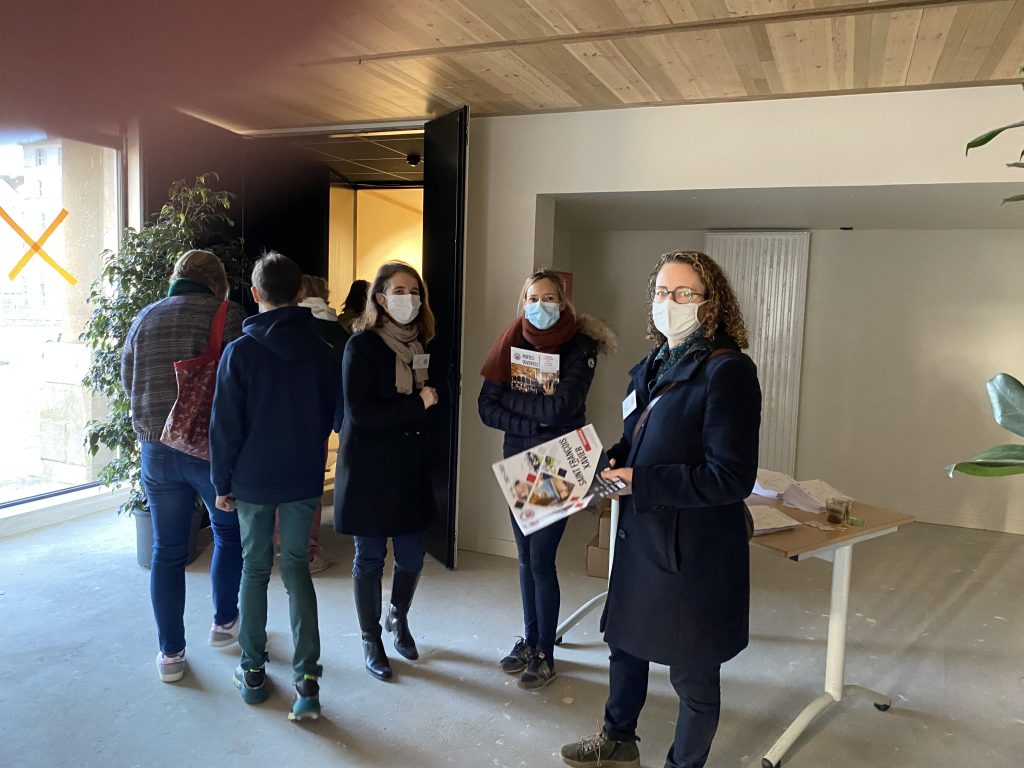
[679,591]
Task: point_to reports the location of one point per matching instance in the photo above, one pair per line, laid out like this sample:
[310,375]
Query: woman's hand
[625,475]
[429,397]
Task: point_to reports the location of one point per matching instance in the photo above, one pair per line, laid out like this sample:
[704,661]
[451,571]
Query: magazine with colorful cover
[534,372]
[555,479]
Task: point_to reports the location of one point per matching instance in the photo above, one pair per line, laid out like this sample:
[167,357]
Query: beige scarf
[403,341]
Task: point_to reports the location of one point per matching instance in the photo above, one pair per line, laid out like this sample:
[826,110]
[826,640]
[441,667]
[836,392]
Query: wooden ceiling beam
[804,14]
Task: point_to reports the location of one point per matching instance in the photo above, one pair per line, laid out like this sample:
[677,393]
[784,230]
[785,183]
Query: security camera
[413,158]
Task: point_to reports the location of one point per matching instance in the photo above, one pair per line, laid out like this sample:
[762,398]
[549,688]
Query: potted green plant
[1007,397]
[194,216]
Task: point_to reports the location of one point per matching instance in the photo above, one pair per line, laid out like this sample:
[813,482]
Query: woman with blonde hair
[546,322]
[382,483]
[679,591]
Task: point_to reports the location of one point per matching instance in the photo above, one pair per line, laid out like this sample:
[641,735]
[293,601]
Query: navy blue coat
[679,592]
[531,419]
[381,484]
[272,410]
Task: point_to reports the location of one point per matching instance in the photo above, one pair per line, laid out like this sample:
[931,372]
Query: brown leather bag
[187,428]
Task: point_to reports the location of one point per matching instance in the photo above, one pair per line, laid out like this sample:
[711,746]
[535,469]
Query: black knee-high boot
[403,587]
[368,596]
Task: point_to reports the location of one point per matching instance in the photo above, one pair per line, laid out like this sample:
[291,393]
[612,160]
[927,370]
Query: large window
[43,406]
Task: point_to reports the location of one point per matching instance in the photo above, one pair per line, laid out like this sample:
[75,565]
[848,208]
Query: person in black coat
[679,591]
[382,486]
[547,323]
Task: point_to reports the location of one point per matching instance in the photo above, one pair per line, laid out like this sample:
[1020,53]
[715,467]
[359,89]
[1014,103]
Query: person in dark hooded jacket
[547,323]
[679,590]
[272,411]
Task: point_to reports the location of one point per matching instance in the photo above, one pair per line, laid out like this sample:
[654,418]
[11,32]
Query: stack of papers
[771,484]
[769,520]
[808,495]
[811,495]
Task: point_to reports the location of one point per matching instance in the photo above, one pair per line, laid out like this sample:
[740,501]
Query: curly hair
[722,309]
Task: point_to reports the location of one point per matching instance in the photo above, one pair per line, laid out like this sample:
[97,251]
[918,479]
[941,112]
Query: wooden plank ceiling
[410,59]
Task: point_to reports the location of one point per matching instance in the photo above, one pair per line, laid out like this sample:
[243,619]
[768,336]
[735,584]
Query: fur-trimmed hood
[600,332]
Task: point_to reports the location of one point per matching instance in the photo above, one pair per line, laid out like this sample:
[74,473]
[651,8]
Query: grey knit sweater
[172,329]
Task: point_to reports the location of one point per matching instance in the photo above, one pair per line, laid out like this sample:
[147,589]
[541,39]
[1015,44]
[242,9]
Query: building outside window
[43,406]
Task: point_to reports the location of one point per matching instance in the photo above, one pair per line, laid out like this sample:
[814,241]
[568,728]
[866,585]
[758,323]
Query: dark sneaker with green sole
[599,750]
[539,672]
[307,700]
[519,657]
[252,684]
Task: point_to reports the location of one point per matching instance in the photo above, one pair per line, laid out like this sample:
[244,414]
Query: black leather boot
[403,587]
[368,594]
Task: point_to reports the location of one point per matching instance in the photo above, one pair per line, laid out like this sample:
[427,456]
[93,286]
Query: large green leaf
[1002,454]
[985,469]
[1007,397]
[986,137]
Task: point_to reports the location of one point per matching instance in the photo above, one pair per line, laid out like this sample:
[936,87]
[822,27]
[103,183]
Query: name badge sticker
[629,405]
[420,362]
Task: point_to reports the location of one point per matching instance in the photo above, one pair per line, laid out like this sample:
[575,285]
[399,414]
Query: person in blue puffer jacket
[546,322]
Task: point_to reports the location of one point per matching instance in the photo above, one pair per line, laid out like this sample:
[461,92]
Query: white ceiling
[934,206]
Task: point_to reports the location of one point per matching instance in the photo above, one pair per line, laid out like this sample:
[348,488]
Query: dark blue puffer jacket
[531,419]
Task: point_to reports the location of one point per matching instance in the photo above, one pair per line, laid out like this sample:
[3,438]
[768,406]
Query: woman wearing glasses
[546,322]
[680,584]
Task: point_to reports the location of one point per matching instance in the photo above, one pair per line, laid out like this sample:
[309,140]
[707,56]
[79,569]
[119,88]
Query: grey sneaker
[223,635]
[518,658]
[599,750]
[539,672]
[171,668]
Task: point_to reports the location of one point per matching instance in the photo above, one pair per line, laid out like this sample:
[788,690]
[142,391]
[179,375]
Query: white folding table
[836,547]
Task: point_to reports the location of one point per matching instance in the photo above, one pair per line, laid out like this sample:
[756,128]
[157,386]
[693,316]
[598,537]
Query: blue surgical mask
[542,314]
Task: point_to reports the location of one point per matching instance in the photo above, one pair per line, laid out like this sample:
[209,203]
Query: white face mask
[403,307]
[675,321]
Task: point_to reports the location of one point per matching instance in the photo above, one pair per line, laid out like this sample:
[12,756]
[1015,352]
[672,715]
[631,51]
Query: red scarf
[498,365]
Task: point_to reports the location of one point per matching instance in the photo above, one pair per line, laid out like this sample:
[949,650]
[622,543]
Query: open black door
[444,206]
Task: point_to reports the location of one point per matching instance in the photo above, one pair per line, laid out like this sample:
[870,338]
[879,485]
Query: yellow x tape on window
[36,246]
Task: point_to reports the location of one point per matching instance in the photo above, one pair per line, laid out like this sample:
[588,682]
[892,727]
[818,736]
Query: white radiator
[768,272]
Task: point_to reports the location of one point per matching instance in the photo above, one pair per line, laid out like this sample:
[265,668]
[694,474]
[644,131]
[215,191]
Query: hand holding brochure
[555,479]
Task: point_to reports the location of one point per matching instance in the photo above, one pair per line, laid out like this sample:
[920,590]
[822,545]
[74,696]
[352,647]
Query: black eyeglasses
[681,295]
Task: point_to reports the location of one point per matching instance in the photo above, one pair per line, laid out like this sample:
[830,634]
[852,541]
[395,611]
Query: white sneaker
[171,668]
[318,563]
[223,635]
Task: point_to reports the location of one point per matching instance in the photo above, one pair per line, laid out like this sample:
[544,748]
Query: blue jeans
[699,705]
[371,551]
[538,584]
[257,524]
[172,480]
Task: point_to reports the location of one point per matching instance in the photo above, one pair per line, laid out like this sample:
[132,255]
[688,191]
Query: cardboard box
[604,529]
[597,560]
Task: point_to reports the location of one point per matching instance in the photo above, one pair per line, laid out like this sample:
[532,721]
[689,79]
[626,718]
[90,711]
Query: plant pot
[144,537]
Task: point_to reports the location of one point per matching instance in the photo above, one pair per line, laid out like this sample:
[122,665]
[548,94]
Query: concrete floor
[935,621]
